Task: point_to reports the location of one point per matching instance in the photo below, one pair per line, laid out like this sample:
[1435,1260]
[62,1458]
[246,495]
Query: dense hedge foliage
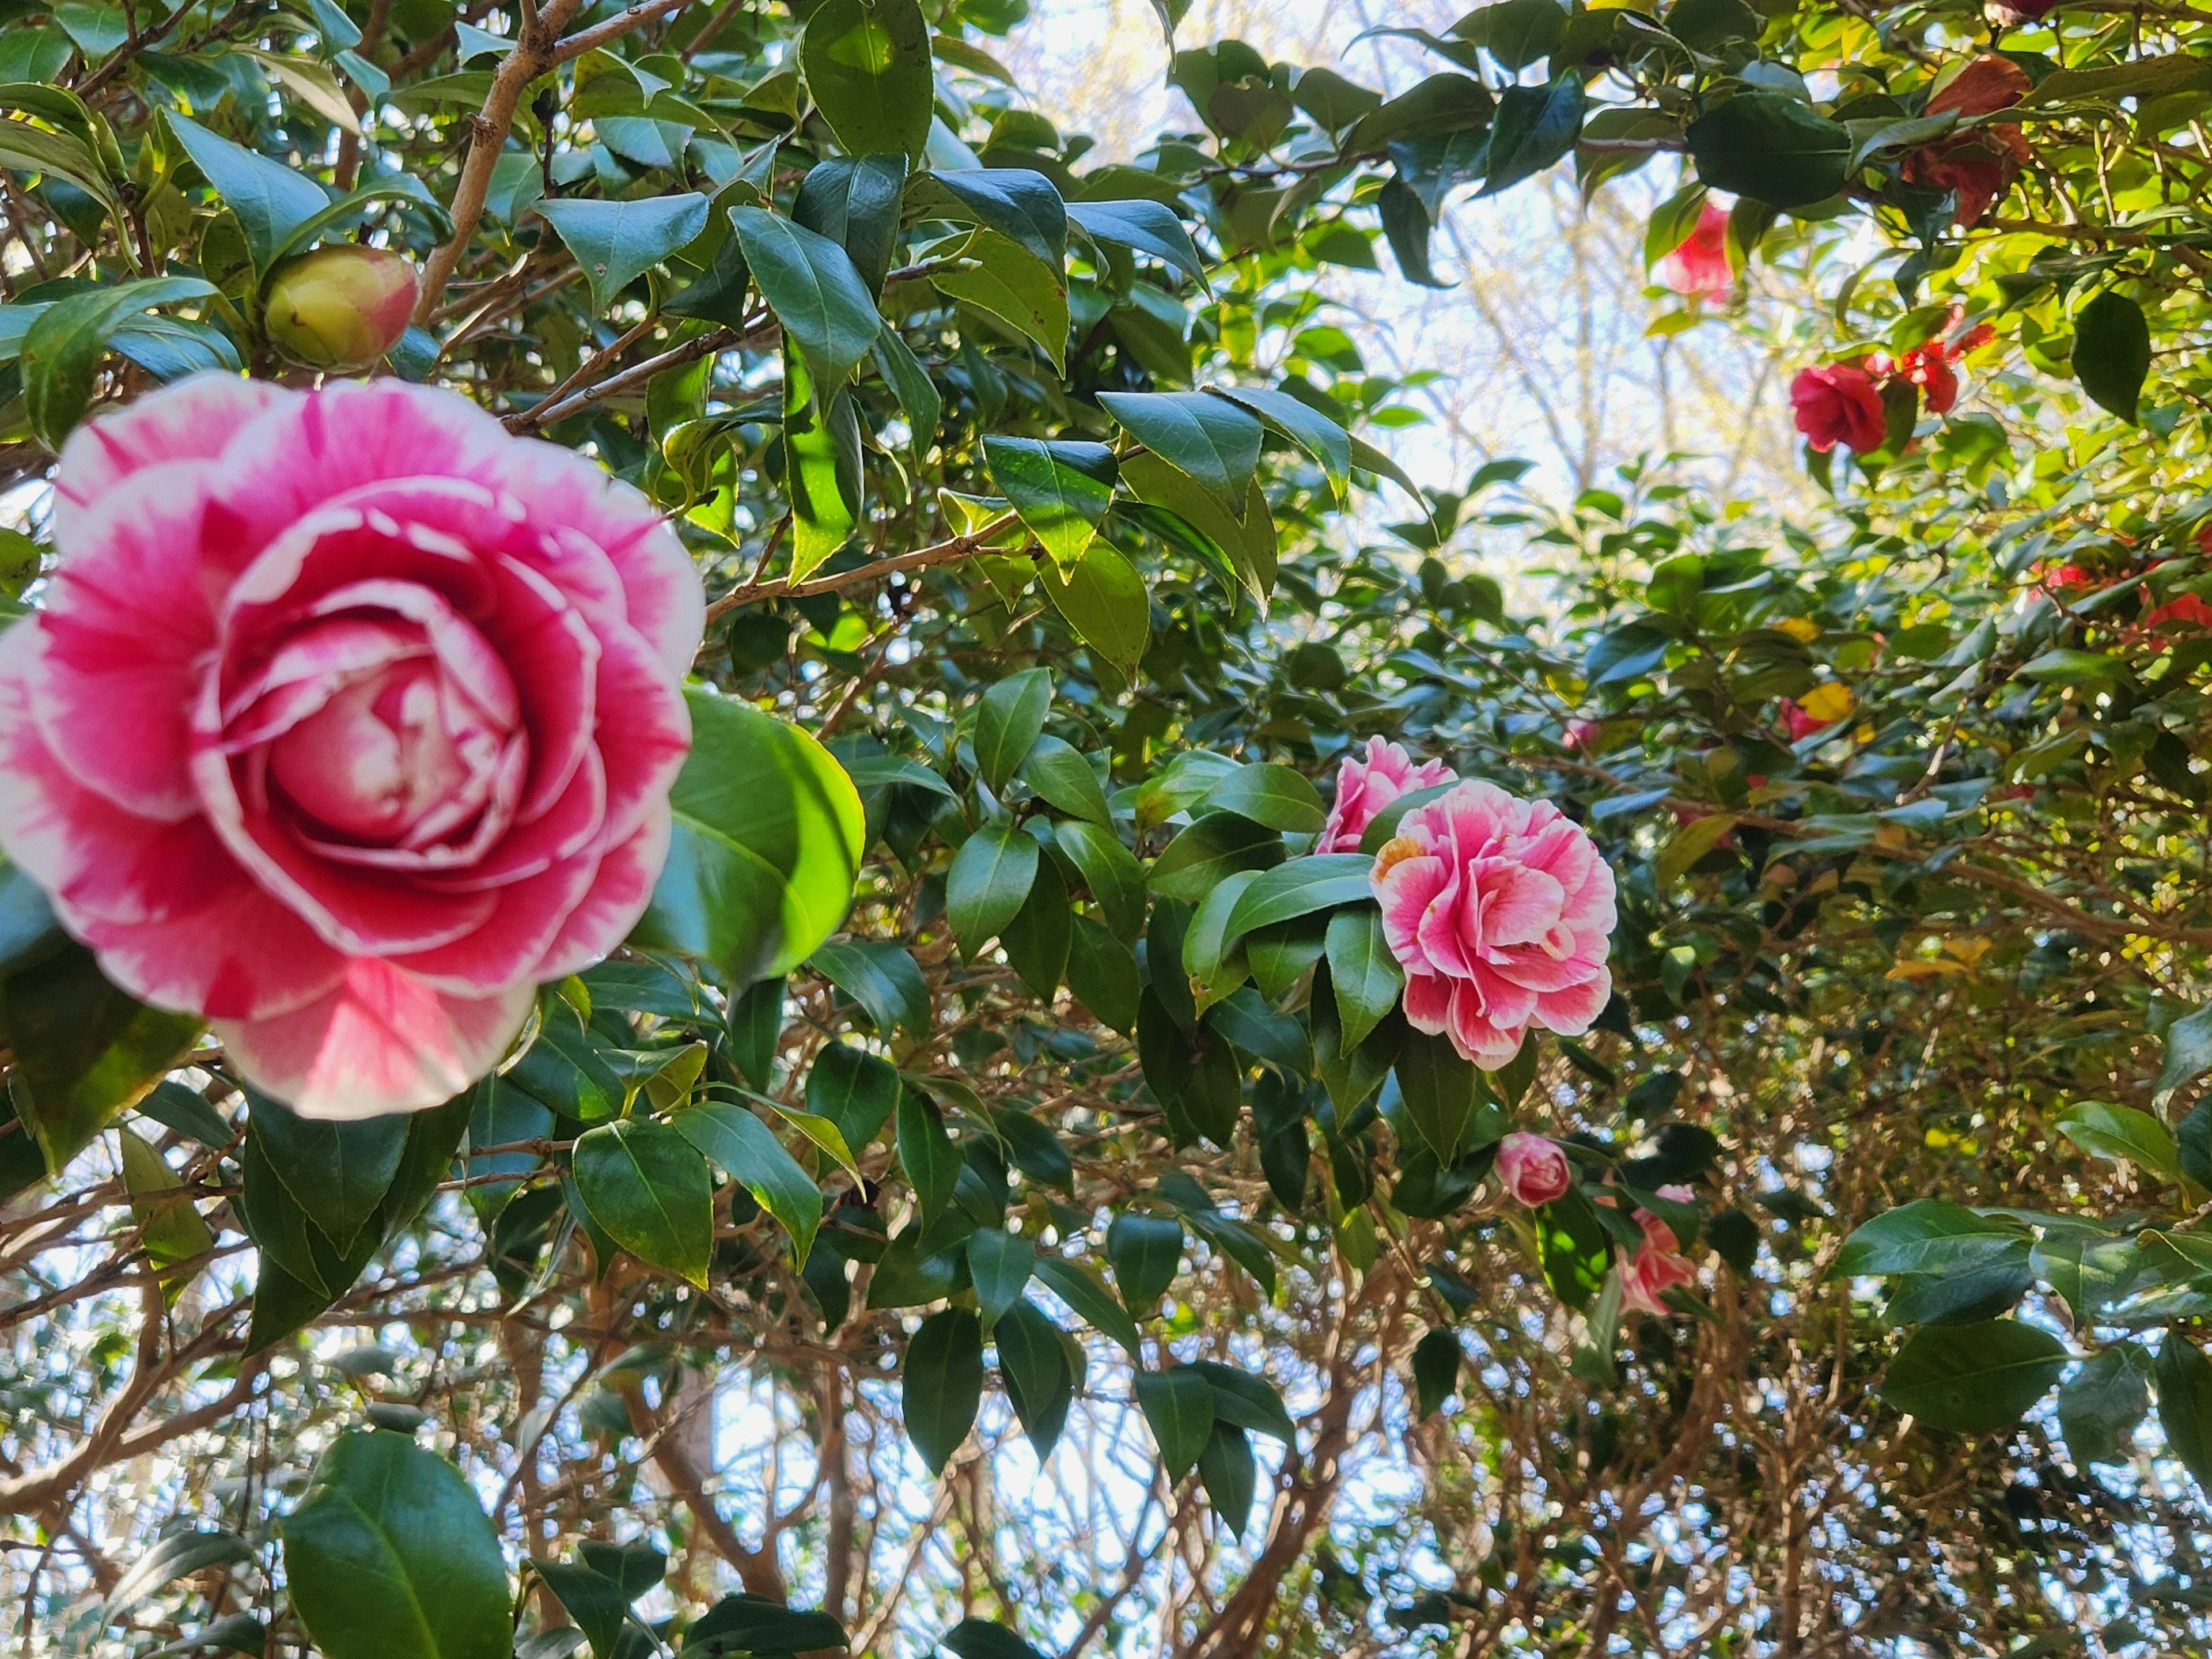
[996,1200]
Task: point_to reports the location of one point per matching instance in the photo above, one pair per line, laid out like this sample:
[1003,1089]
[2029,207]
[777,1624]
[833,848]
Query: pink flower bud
[340,307]
[1533,1169]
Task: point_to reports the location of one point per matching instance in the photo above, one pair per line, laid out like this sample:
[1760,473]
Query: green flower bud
[340,307]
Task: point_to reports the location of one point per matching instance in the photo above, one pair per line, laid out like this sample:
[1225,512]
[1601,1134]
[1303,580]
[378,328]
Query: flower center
[375,758]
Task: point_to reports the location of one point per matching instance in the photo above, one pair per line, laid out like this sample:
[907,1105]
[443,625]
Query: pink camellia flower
[1499,909]
[1699,267]
[1646,1276]
[349,719]
[1533,1169]
[1838,403]
[1365,788]
[1584,735]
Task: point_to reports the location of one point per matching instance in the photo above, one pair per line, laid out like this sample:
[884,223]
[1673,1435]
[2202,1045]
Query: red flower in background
[2185,609]
[1699,269]
[1928,367]
[1980,165]
[1837,403]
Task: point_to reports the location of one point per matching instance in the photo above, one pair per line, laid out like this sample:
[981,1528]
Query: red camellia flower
[1501,913]
[1533,1169]
[1928,367]
[2183,611]
[1657,1265]
[1699,267]
[349,719]
[1365,788]
[1979,165]
[1837,403]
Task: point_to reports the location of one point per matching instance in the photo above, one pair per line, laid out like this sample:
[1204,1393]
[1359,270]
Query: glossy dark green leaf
[1445,1097]
[389,1555]
[269,200]
[823,473]
[817,292]
[1364,975]
[1231,1475]
[987,883]
[1271,794]
[1103,599]
[1019,203]
[594,1601]
[1436,1360]
[1974,1378]
[1007,721]
[63,346]
[999,1265]
[1573,1250]
[767,842]
[1033,1360]
[1242,544]
[980,1638]
[942,1384]
[748,1152]
[753,1625]
[2111,352]
[2184,1404]
[1102,975]
[1208,438]
[1215,846]
[856,203]
[2101,1404]
[1317,882]
[1247,1401]
[1063,778]
[1092,1302]
[882,978]
[1038,938]
[1304,426]
[1929,1234]
[1060,490]
[918,397]
[1109,870]
[867,64]
[617,242]
[648,1185]
[2089,1273]
[1145,226]
[1178,1408]
[1771,146]
[337,1173]
[1536,126]
[927,1153]
[1146,1254]
[854,1090]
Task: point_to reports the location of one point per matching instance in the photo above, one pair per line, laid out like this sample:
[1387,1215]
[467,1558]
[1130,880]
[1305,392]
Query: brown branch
[614,28]
[547,412]
[959,547]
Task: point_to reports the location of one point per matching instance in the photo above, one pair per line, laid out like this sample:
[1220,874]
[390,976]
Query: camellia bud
[341,306]
[1533,1169]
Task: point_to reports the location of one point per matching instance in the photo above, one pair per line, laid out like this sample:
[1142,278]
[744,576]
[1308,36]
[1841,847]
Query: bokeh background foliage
[993,1205]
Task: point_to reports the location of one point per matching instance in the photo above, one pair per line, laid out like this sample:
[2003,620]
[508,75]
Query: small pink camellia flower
[1646,1276]
[339,307]
[1533,1169]
[1499,910]
[349,718]
[1583,735]
[1838,403]
[1697,269]
[1365,788]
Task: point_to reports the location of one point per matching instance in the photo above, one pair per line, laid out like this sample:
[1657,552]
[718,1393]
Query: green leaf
[1320,881]
[812,286]
[1146,1254]
[748,1152]
[988,883]
[882,978]
[2123,1133]
[59,155]
[1572,1248]
[1437,1355]
[1926,1236]
[646,1185]
[1102,976]
[867,64]
[1445,1097]
[172,1230]
[174,1556]
[1103,599]
[83,1051]
[1092,1302]
[1017,203]
[2100,1403]
[856,203]
[1026,292]
[1215,846]
[823,470]
[64,345]
[617,242]
[1271,794]
[1108,869]
[853,1090]
[1214,970]
[1517,33]
[1033,1359]
[999,1265]
[1231,1476]
[1063,778]
[1973,1379]
[337,1173]
[1032,1148]
[2089,1273]
[2184,1404]
[389,1555]
[593,1600]
[1060,490]
[942,1384]
[1771,146]
[1535,127]
[1246,1402]
[1312,431]
[1208,438]
[1147,227]
[1366,978]
[918,397]
[767,842]
[980,1638]
[932,1161]
[270,200]
[1178,1406]
[1007,722]
[2188,1054]
[1037,939]
[1689,843]
[744,1624]
[2111,352]
[823,1133]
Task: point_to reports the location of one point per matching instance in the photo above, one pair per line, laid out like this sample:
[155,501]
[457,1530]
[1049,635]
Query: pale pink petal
[382,1041]
[1475,1032]
[1404,892]
[1570,1010]
[191,420]
[1428,1002]
[1519,904]
[619,894]
[648,730]
[526,917]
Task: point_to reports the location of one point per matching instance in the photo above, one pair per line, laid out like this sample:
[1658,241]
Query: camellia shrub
[752,905]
